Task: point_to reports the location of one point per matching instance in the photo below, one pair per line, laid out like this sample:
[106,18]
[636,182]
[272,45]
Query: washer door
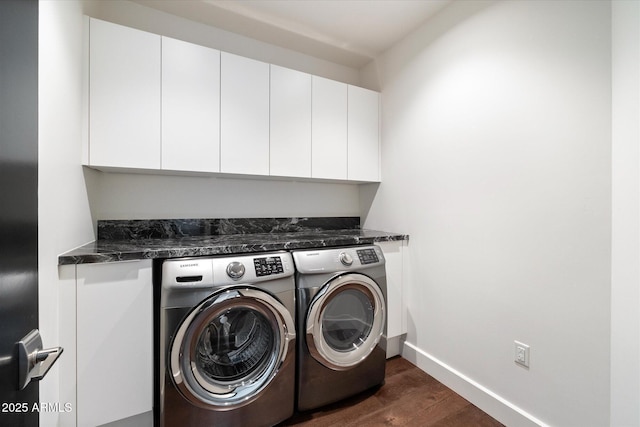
[230,347]
[345,321]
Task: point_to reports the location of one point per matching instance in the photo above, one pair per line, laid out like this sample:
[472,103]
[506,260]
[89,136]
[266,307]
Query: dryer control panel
[351,258]
[367,256]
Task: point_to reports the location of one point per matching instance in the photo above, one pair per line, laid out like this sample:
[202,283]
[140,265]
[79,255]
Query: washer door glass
[237,343]
[230,346]
[345,321]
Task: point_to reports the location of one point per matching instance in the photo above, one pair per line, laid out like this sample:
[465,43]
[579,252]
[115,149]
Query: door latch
[33,361]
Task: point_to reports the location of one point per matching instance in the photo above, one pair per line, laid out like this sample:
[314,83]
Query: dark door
[18,202]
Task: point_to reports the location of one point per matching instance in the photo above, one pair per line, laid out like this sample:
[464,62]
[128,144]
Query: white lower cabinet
[113,342]
[395,252]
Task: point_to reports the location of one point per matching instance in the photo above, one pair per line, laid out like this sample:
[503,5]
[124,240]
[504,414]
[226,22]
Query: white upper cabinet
[290,131]
[244,115]
[156,103]
[124,97]
[190,107]
[363,129]
[329,130]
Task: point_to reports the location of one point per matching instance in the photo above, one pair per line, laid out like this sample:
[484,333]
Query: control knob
[345,258]
[235,270]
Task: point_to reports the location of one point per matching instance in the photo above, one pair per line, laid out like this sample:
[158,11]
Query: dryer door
[230,347]
[345,321]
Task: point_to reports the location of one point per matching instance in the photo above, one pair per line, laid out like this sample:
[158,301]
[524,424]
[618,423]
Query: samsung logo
[195,264]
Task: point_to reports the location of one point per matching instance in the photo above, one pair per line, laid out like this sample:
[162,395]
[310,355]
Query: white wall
[128,196]
[64,216]
[625,274]
[496,147]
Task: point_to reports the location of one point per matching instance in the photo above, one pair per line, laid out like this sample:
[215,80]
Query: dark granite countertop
[134,247]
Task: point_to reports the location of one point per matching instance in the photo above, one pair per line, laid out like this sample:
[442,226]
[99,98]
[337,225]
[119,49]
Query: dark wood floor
[409,397]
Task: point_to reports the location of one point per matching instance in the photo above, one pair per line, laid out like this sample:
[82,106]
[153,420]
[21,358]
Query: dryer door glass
[229,347]
[345,321]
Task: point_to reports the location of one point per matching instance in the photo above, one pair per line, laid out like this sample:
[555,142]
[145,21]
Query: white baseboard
[499,408]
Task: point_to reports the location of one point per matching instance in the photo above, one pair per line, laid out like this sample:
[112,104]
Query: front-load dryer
[341,300]
[226,341]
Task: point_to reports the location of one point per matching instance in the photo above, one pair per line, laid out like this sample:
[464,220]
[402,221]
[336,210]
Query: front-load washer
[341,300]
[226,341]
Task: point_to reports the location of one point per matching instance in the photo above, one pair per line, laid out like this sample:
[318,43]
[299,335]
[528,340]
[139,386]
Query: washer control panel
[367,256]
[268,265]
[204,272]
[345,258]
[235,270]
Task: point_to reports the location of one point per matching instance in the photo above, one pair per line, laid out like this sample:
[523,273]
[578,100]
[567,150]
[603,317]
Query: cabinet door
[329,129]
[190,107]
[124,97]
[244,115]
[290,130]
[363,139]
[114,341]
[394,254]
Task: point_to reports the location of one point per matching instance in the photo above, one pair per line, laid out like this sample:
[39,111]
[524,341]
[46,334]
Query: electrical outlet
[522,354]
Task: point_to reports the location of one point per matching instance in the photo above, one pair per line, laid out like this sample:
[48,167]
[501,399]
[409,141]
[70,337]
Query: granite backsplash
[177,228]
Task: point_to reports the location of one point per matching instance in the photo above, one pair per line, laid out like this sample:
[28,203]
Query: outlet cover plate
[522,354]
